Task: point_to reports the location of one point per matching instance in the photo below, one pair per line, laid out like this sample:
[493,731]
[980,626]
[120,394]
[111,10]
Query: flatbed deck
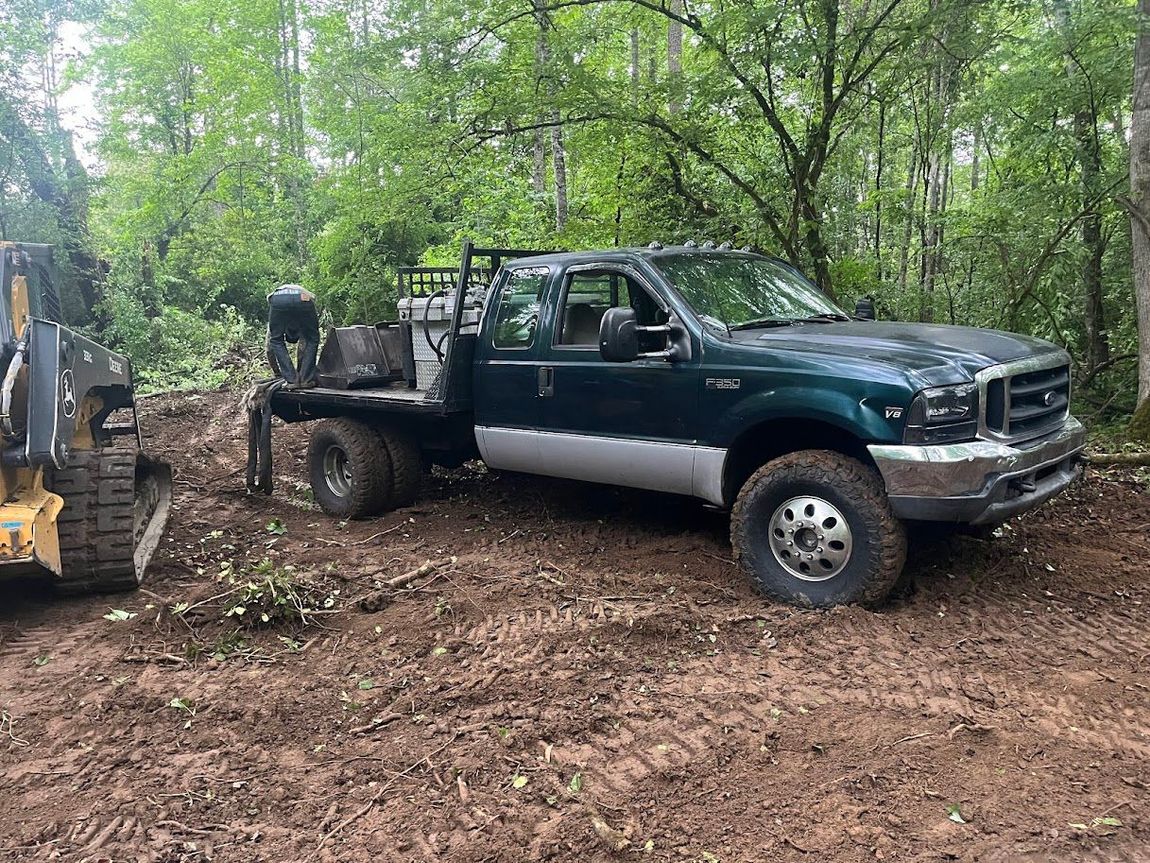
[300,405]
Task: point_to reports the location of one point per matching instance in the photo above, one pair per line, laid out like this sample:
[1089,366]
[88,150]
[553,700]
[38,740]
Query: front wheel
[815,528]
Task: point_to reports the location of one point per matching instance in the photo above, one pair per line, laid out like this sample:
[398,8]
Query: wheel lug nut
[820,549]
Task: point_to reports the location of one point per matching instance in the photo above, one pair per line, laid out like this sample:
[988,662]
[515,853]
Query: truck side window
[588,294]
[518,312]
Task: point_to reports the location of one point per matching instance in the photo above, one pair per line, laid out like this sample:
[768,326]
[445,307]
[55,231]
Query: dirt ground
[589,680]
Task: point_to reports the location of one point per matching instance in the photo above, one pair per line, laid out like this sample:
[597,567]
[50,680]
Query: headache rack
[438,414]
[464,292]
[448,388]
[427,281]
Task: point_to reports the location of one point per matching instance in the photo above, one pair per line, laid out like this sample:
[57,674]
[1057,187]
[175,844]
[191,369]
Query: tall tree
[1089,157]
[1138,205]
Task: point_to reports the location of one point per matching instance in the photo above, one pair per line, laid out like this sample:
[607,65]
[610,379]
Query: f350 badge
[724,383]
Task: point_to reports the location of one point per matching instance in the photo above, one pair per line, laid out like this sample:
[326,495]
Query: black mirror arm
[679,338]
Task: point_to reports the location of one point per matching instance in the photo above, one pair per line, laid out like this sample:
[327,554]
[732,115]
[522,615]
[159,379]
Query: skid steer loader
[81,501]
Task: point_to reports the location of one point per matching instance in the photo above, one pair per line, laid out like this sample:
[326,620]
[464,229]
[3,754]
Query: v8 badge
[893,413]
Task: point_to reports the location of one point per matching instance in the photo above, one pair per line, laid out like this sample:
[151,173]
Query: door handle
[546,382]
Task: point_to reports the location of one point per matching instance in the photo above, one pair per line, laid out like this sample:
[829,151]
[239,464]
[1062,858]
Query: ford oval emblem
[1050,398]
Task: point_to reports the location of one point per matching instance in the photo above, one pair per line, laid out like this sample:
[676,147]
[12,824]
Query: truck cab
[728,376]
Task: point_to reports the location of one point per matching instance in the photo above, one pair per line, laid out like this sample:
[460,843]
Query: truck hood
[934,354]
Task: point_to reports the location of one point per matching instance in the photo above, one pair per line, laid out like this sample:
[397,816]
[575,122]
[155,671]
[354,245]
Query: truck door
[620,423]
[507,377]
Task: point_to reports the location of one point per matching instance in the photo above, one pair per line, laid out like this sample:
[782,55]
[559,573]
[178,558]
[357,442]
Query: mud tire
[406,467]
[878,537]
[368,463]
[97,526]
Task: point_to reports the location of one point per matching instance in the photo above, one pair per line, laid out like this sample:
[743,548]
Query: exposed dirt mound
[588,679]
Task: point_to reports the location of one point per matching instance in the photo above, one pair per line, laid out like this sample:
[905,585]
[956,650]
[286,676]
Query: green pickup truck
[702,371]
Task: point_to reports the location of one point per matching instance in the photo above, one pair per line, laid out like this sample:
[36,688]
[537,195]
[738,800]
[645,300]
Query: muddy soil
[584,677]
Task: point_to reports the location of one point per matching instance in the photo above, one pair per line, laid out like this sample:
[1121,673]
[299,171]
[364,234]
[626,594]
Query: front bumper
[981,482]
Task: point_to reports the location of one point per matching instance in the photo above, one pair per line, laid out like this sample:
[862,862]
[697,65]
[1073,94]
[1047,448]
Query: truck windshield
[743,292]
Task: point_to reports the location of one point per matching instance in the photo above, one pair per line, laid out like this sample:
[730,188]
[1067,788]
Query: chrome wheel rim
[337,471]
[810,538]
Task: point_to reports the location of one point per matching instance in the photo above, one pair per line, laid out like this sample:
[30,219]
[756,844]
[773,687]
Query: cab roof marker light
[709,244]
[725,246]
[690,244]
[654,244]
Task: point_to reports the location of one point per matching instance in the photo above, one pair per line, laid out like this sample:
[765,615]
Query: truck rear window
[517,314]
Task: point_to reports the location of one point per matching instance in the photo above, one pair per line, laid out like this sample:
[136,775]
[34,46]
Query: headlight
[943,414]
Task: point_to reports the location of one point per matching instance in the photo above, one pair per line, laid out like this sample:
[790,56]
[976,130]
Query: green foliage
[179,349]
[949,158]
[268,595]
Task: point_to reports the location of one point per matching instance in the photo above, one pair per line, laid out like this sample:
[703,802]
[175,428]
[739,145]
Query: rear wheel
[350,469]
[406,466]
[101,521]
[815,528]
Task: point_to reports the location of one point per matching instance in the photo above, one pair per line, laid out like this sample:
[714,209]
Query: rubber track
[97,523]
[850,477]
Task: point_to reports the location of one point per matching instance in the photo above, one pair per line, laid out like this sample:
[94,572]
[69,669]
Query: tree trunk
[1090,160]
[816,245]
[538,146]
[539,165]
[1139,204]
[976,157]
[558,154]
[936,179]
[620,196]
[908,217]
[1089,156]
[1097,339]
[559,166]
[878,191]
[292,111]
[635,59]
[296,88]
[674,57]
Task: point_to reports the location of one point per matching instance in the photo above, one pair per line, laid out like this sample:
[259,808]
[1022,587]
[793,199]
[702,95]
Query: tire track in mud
[508,643]
[91,839]
[896,675]
[104,838]
[43,639]
[1109,637]
[1038,624]
[209,439]
[97,835]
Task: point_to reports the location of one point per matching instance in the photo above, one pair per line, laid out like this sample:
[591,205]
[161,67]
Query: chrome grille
[1024,399]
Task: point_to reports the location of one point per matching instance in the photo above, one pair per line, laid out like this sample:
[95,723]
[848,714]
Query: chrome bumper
[981,482]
